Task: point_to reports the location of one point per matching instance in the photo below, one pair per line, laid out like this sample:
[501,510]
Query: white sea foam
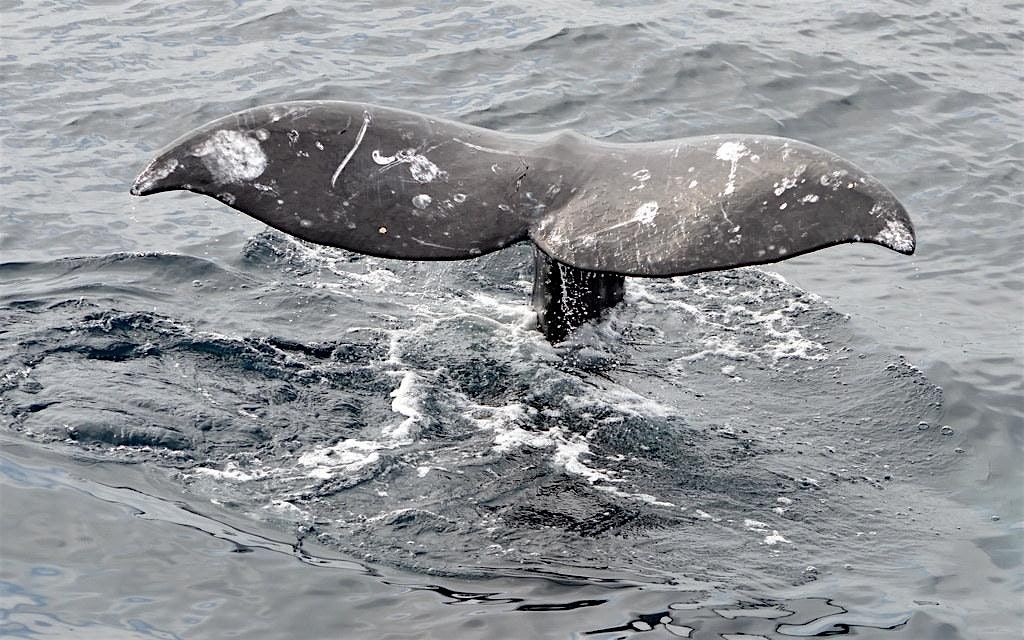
[345,457]
[233,472]
[762,328]
[406,402]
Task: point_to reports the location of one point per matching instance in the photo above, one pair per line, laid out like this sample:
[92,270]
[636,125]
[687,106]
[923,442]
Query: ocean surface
[212,430]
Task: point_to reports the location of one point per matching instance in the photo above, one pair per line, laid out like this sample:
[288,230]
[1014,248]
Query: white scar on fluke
[646,212]
[421,168]
[232,156]
[641,177]
[896,235]
[731,152]
[155,172]
[643,215]
[352,151]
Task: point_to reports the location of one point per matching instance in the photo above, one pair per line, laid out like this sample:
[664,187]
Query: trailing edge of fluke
[397,184]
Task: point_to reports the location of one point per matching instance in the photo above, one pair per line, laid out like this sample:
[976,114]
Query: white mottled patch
[155,172]
[422,201]
[232,156]
[693,183]
[833,179]
[352,151]
[785,185]
[896,235]
[810,198]
[732,152]
[646,212]
[420,167]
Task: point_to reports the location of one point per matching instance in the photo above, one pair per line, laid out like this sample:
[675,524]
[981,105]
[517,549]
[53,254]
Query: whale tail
[397,184]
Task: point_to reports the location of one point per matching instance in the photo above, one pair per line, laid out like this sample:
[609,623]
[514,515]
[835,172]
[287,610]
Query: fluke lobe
[397,184]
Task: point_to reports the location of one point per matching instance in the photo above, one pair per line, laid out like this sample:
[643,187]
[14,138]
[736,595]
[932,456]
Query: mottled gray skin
[397,184]
[479,201]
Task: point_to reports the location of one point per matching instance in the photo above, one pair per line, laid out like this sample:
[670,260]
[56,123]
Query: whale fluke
[397,184]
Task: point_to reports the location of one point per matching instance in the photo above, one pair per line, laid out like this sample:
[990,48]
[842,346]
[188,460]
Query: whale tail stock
[397,184]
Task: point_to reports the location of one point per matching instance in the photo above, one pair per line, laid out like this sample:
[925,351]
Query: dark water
[213,430]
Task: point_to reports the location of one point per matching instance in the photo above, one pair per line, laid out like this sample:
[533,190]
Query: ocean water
[212,430]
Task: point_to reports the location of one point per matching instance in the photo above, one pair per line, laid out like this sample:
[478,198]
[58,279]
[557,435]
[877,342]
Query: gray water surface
[214,430]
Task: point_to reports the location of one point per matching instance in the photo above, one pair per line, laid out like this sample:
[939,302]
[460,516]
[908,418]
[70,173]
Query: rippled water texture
[215,430]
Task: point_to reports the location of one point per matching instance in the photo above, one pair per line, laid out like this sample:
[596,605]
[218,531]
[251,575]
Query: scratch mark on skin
[644,215]
[486,149]
[725,215]
[352,151]
[431,244]
[519,179]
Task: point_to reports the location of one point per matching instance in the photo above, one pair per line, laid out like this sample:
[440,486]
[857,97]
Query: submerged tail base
[565,297]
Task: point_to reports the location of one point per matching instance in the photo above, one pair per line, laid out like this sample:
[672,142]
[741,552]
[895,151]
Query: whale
[398,184]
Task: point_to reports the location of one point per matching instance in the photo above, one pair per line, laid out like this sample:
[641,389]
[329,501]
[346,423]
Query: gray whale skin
[397,184]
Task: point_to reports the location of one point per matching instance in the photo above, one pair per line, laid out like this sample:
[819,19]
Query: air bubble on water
[946,430]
